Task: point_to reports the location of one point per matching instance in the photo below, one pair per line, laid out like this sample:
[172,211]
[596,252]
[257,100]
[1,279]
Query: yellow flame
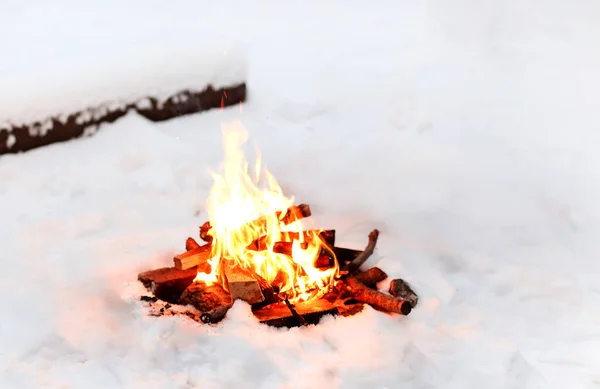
[243,209]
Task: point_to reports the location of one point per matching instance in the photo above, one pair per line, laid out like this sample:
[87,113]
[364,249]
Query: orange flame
[243,209]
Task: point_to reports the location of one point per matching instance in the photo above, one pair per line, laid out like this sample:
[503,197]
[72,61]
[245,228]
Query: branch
[363,256]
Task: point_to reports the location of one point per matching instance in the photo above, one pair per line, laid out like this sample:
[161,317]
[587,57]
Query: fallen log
[212,301]
[361,258]
[192,258]
[242,285]
[68,125]
[401,289]
[371,277]
[377,299]
[168,283]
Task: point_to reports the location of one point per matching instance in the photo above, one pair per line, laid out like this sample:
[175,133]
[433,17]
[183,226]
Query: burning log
[363,256]
[285,247]
[193,257]
[212,301]
[371,277]
[295,314]
[293,213]
[401,289]
[191,244]
[279,315]
[243,286]
[204,232]
[377,299]
[167,283]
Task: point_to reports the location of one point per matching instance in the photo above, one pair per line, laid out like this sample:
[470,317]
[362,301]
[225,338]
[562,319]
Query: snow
[466,132]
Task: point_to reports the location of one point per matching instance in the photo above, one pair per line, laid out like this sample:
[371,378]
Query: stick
[363,256]
[377,299]
[298,317]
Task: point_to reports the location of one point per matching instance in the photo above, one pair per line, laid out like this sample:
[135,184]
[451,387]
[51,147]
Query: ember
[258,250]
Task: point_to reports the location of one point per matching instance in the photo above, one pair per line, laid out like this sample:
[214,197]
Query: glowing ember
[244,208]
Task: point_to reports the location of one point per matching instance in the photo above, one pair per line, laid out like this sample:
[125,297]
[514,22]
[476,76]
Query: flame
[244,209]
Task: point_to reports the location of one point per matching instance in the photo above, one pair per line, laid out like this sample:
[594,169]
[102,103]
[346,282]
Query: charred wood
[167,283]
[212,301]
[401,289]
[279,315]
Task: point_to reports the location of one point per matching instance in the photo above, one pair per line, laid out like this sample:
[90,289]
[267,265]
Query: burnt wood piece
[371,277]
[191,244]
[356,263]
[285,247]
[279,315]
[377,299]
[299,318]
[350,309]
[344,256]
[167,283]
[324,261]
[401,289]
[204,232]
[192,258]
[212,301]
[242,285]
[290,215]
[65,126]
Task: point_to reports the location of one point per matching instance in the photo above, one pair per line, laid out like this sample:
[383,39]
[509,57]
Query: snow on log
[71,96]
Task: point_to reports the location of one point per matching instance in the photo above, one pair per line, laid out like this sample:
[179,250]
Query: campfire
[256,248]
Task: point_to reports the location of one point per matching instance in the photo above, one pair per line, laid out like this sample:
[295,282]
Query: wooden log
[242,285]
[63,126]
[401,289]
[279,315]
[192,258]
[357,262]
[191,244]
[167,283]
[204,228]
[212,301]
[371,277]
[345,256]
[377,299]
[292,214]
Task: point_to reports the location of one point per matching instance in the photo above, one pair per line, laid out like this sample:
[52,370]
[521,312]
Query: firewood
[327,236]
[295,314]
[377,299]
[371,277]
[293,213]
[192,258]
[242,285]
[345,256]
[279,315]
[400,288]
[324,261]
[212,301]
[167,283]
[363,256]
[204,232]
[286,247]
[191,244]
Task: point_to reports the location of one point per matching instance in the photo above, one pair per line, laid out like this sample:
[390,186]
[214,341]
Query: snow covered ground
[466,131]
